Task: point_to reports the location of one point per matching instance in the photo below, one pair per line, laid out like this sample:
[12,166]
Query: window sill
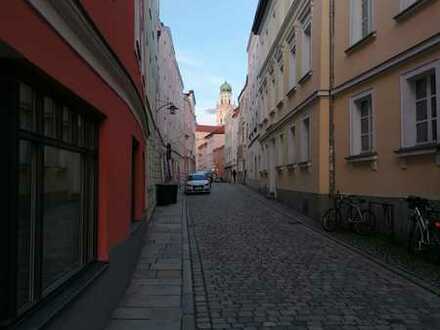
[305,164]
[410,11]
[280,104]
[305,77]
[57,301]
[363,157]
[291,167]
[280,168]
[420,150]
[361,43]
[292,91]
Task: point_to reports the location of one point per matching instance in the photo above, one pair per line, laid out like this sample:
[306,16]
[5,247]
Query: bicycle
[362,221]
[425,230]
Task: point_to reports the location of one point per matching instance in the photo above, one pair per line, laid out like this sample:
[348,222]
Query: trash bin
[166,194]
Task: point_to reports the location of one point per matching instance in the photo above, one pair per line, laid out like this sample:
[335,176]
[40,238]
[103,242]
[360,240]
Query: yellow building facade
[347,98]
[386,101]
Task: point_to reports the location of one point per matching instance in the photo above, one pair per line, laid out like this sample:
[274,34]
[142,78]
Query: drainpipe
[332,168]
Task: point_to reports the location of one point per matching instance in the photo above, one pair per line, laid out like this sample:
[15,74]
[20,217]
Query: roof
[207,128]
[219,130]
[225,87]
[258,19]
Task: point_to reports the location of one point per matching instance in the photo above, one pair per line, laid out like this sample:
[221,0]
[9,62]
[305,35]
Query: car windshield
[196,177]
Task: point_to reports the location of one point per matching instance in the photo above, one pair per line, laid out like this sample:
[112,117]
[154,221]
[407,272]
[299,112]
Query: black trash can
[166,194]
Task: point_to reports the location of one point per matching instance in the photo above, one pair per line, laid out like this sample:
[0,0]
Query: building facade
[208,138]
[343,96]
[291,66]
[231,142]
[170,109]
[189,119]
[386,102]
[75,127]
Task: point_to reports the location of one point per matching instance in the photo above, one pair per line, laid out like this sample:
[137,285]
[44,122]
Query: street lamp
[170,106]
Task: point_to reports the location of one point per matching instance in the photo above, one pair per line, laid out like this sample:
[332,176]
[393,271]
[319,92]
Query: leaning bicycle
[425,227]
[347,211]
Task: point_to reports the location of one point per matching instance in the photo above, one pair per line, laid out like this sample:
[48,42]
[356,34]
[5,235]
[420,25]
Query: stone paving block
[247,258]
[165,274]
[146,300]
[166,266]
[139,313]
[143,325]
[154,290]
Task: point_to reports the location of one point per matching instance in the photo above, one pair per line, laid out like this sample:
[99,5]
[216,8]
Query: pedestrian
[234,175]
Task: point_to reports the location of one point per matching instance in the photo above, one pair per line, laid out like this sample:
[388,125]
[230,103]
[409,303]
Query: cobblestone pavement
[254,268]
[380,247]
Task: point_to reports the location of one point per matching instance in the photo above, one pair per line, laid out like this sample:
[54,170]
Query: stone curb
[188,322]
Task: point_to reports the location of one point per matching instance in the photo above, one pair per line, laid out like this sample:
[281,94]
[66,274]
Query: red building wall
[28,33]
[115,21]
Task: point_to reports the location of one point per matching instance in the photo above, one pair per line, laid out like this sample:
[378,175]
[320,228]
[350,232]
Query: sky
[210,39]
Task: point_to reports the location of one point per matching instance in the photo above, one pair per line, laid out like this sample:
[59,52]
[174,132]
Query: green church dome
[225,88]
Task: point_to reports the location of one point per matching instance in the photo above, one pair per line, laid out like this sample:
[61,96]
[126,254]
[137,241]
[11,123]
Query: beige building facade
[344,95]
[292,82]
[386,102]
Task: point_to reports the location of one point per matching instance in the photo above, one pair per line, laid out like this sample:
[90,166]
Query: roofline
[259,14]
[244,87]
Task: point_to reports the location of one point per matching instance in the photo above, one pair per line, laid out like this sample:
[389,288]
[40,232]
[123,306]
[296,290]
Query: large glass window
[24,225]
[62,214]
[56,185]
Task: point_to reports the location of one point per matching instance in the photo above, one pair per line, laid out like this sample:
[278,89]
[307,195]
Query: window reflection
[49,118]
[24,224]
[67,125]
[27,108]
[62,214]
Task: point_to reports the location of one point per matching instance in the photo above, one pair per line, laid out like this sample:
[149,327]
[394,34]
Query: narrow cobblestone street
[255,268]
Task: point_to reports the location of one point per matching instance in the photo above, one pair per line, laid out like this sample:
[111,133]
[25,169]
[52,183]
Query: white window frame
[292,144]
[356,16]
[306,142]
[408,105]
[355,124]
[404,4]
[306,49]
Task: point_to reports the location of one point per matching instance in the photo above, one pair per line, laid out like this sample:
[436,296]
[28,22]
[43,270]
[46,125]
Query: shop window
[55,203]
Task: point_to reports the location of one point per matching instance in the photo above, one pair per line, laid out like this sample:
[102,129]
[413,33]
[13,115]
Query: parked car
[197,183]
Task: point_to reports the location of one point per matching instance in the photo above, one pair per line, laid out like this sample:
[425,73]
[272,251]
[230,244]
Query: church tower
[224,103]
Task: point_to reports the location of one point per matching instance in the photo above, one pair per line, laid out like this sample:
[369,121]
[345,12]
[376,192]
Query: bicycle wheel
[367,224]
[415,239]
[330,220]
[435,247]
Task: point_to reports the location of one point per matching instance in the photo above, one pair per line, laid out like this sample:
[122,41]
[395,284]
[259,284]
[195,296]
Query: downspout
[332,167]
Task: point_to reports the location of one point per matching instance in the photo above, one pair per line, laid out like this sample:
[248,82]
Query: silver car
[197,183]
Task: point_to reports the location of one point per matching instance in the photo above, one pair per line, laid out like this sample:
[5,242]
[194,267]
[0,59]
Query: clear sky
[210,38]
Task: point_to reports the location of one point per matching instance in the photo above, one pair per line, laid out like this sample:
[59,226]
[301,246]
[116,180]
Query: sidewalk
[160,293]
